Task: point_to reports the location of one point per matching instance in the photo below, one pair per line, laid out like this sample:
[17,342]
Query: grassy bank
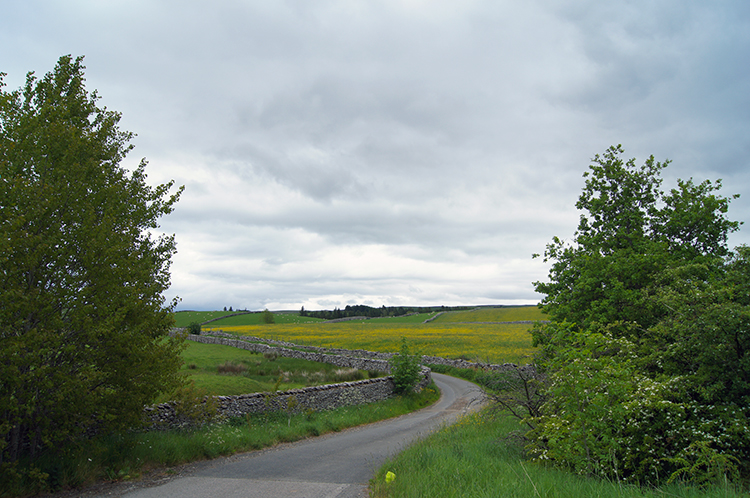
[477,457]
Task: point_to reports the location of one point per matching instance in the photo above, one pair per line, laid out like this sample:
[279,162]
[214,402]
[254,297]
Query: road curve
[337,465]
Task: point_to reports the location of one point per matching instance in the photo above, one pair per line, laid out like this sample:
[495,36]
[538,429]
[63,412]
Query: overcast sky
[395,152]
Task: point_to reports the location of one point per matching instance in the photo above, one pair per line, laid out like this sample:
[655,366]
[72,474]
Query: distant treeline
[370,312]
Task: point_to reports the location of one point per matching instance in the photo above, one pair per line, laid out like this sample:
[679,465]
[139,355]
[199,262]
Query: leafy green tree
[83,323]
[629,233]
[267,316]
[705,335]
[646,351]
[405,369]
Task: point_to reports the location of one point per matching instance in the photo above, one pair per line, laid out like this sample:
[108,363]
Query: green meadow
[482,314]
[224,371]
[500,314]
[185,318]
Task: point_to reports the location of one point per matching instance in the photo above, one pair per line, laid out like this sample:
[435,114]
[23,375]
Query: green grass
[185,318]
[503,314]
[475,458]
[419,318]
[127,456]
[257,373]
[256,319]
[293,318]
[480,457]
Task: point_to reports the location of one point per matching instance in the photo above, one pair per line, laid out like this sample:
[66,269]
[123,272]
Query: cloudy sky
[402,152]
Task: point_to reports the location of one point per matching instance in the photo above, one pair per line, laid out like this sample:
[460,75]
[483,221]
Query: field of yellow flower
[461,334]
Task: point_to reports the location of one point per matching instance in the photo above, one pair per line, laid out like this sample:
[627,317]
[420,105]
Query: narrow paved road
[332,466]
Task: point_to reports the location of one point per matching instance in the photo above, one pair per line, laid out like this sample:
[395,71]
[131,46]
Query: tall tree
[647,350]
[83,322]
[629,232]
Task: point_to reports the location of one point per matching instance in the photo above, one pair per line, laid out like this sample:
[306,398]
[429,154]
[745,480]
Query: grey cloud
[396,152]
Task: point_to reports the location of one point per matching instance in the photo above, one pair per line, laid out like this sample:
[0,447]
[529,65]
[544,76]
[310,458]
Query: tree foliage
[267,317]
[647,350]
[83,322]
[405,369]
[629,233]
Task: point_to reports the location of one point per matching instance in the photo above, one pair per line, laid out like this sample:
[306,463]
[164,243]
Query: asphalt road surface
[337,465]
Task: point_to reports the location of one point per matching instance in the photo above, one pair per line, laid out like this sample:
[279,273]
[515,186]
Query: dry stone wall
[263,346]
[315,398]
[310,398]
[340,358]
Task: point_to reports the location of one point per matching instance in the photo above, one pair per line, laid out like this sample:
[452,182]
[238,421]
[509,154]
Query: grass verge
[127,456]
[477,457]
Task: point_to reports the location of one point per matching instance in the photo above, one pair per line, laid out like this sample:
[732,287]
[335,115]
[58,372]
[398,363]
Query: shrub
[194,406]
[604,417]
[194,328]
[520,391]
[267,316]
[405,369]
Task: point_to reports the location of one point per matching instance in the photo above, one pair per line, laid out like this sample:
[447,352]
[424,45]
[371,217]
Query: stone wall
[315,397]
[345,358]
[340,358]
[310,398]
[377,357]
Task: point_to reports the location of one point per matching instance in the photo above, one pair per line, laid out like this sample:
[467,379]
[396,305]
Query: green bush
[267,317]
[405,369]
[193,405]
[194,328]
[605,417]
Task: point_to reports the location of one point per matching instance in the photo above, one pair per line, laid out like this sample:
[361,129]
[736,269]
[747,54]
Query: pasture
[474,335]
[185,318]
[225,371]
[504,314]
